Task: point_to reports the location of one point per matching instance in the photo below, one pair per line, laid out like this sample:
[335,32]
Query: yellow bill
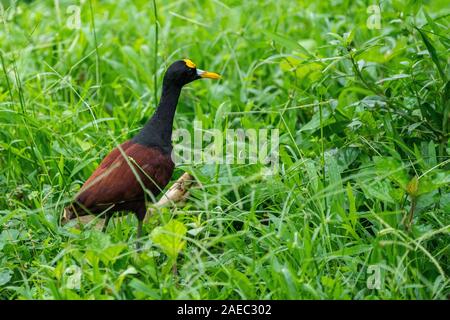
[207,74]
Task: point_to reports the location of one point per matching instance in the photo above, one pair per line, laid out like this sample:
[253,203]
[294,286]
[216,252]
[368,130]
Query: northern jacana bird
[142,163]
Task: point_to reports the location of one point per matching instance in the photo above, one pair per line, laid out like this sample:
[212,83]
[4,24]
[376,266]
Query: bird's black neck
[157,132]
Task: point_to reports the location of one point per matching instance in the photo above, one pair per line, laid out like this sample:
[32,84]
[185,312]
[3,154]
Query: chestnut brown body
[123,180]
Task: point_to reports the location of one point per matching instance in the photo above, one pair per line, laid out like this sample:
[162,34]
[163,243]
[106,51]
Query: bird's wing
[120,179]
[106,162]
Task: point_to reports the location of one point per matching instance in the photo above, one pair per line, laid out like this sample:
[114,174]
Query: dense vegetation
[363,114]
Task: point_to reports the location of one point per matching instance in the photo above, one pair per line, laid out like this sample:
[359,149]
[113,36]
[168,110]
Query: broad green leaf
[380,190]
[393,168]
[345,157]
[303,68]
[98,241]
[170,237]
[5,276]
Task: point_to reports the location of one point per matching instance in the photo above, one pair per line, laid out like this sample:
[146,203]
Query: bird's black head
[182,72]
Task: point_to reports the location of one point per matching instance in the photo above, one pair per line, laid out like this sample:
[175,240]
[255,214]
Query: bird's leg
[107,218]
[140,215]
[139,235]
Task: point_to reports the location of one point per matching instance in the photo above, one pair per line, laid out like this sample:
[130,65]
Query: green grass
[361,113]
